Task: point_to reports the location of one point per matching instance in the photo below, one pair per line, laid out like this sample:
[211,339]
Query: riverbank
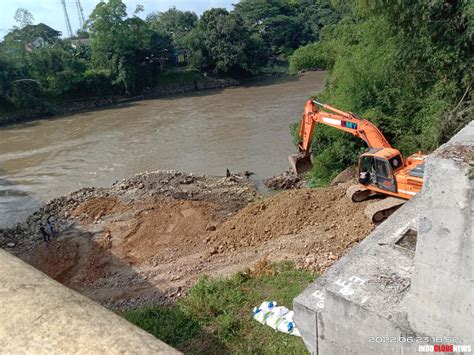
[205,132]
[73,106]
[149,238]
[173,84]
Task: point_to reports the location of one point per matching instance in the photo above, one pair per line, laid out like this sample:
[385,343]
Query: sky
[50,12]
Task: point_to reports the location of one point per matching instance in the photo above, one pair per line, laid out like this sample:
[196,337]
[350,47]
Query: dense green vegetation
[405,65]
[118,53]
[216,316]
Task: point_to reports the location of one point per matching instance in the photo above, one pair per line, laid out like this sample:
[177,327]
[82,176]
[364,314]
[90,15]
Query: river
[206,132]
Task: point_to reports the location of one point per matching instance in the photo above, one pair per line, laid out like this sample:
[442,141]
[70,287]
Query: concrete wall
[380,294]
[40,316]
[442,284]
[362,295]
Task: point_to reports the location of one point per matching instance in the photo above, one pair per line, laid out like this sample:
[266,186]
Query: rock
[211,227]
[11,245]
[286,180]
[344,176]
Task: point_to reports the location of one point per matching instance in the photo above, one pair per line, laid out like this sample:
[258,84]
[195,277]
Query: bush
[95,82]
[312,56]
[25,93]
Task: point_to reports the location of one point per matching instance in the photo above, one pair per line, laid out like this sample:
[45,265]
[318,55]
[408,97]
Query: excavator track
[378,211]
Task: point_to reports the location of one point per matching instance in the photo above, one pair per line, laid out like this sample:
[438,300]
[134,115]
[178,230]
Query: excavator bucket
[300,163]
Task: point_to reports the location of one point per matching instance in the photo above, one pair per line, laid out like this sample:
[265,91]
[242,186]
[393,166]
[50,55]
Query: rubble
[285,181]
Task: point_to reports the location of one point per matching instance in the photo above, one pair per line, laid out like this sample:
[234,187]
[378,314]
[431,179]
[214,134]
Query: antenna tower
[66,17]
[80,13]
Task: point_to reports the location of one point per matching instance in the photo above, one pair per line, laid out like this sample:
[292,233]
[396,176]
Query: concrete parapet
[442,283]
[40,316]
[385,296]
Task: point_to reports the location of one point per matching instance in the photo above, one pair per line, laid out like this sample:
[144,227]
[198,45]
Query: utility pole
[80,13]
[66,17]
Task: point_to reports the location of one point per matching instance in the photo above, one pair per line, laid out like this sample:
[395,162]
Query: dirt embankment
[149,238]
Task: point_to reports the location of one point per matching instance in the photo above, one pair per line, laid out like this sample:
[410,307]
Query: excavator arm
[344,121]
[314,113]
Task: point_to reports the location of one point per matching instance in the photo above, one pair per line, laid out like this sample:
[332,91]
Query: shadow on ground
[87,265]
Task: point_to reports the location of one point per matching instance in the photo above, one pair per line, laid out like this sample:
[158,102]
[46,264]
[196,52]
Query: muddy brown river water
[240,128]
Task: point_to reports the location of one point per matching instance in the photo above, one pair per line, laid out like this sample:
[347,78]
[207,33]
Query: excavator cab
[376,168]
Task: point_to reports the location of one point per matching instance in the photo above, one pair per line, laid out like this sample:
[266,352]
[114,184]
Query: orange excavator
[382,169]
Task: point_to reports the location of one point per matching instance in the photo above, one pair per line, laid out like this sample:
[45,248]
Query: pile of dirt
[149,238]
[96,207]
[331,222]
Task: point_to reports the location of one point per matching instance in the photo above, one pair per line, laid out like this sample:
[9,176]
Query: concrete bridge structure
[409,284]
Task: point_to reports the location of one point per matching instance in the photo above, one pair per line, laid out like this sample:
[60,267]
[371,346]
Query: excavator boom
[314,113]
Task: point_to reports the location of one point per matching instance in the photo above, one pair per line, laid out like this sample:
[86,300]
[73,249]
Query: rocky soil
[285,181]
[147,239]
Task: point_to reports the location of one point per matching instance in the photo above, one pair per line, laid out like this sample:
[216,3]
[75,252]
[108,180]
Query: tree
[57,69]
[111,41]
[174,23]
[286,25]
[23,17]
[17,89]
[107,31]
[22,36]
[221,43]
[127,47]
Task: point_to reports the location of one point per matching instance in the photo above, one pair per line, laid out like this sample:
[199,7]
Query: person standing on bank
[45,234]
[50,226]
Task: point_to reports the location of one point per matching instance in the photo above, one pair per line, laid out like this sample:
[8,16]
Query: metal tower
[66,17]
[80,13]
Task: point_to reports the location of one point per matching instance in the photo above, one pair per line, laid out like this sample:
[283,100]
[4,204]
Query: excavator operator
[367,171]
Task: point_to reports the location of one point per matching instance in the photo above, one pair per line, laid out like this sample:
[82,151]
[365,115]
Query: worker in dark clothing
[51,230]
[45,234]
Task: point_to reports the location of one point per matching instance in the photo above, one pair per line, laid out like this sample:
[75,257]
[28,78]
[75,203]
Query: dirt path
[149,238]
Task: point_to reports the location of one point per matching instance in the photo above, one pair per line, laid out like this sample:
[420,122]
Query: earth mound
[149,238]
